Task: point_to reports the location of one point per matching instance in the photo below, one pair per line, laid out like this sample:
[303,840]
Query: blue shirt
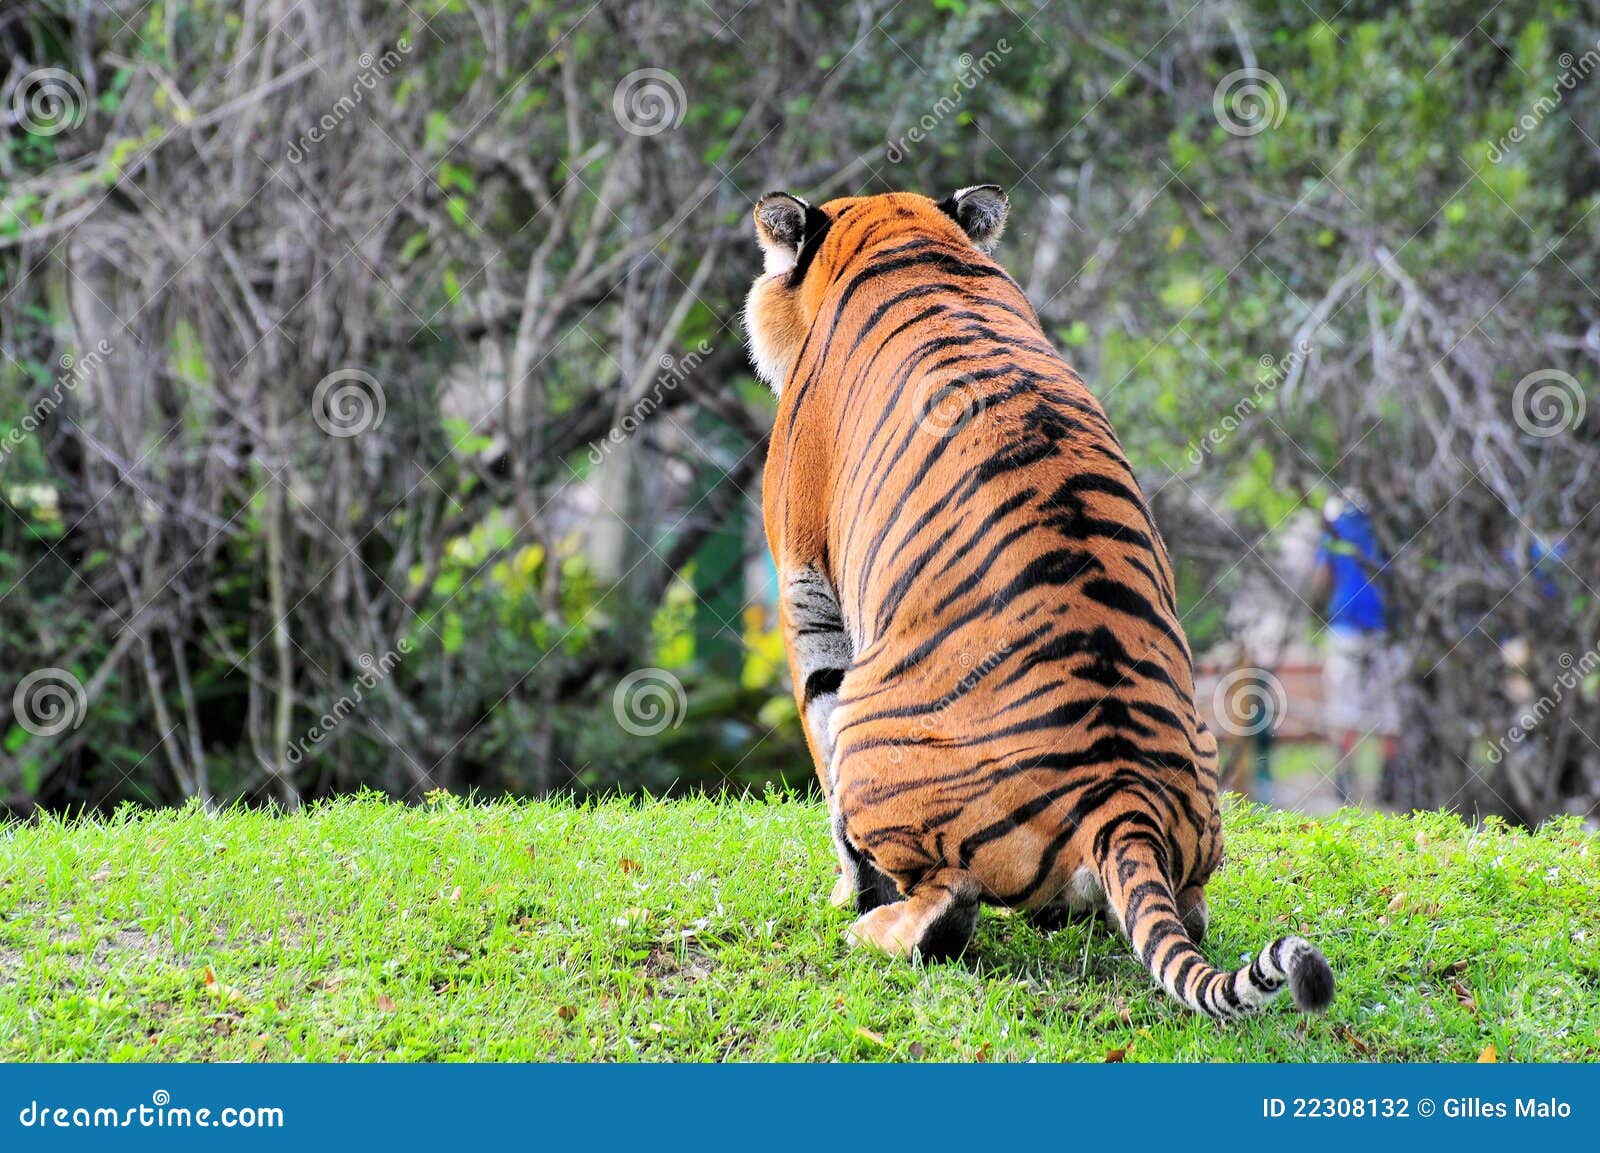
[1544,562]
[1356,603]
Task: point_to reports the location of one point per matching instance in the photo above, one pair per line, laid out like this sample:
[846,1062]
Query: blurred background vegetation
[374,406]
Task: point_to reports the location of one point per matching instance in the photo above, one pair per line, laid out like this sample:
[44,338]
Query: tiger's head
[800,243]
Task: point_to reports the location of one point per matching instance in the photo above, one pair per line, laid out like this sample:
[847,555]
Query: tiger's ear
[981,211]
[782,222]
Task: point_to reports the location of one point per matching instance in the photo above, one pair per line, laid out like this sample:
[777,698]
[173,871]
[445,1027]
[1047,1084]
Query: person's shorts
[1361,684]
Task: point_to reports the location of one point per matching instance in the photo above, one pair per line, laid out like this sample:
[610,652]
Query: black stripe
[817,225]
[821,682]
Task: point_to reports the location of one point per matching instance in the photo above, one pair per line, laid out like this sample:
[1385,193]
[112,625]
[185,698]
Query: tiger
[980,618]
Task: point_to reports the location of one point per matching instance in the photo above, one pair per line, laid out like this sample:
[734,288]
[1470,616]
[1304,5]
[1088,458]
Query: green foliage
[1190,257]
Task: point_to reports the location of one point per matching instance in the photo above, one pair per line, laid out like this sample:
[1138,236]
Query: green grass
[699,930]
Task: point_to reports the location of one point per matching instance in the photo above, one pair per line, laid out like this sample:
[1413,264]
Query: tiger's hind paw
[887,928]
[936,919]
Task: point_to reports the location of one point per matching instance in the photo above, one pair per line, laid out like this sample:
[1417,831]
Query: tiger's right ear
[783,224]
[981,210]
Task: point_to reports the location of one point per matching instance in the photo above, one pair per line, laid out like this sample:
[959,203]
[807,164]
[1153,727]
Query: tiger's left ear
[981,211]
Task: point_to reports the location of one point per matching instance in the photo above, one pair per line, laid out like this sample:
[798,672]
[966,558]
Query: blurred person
[1361,676]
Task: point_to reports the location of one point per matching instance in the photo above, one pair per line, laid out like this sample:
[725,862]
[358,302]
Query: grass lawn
[700,930]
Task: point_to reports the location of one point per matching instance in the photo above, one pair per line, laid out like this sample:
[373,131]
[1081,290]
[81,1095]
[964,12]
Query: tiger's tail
[1133,870]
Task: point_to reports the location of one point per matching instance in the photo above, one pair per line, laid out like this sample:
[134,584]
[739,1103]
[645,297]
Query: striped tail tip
[1310,979]
[1133,872]
[1296,962]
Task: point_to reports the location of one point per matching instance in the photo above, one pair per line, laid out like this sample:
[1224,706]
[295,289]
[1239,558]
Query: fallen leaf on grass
[1115,1056]
[217,989]
[627,864]
[1488,1056]
[1398,902]
[868,1035]
[1354,1042]
[916,1049]
[1464,996]
[102,875]
[385,1003]
[567,1012]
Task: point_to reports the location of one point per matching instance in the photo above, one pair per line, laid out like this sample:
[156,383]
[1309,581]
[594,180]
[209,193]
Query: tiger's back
[981,614]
